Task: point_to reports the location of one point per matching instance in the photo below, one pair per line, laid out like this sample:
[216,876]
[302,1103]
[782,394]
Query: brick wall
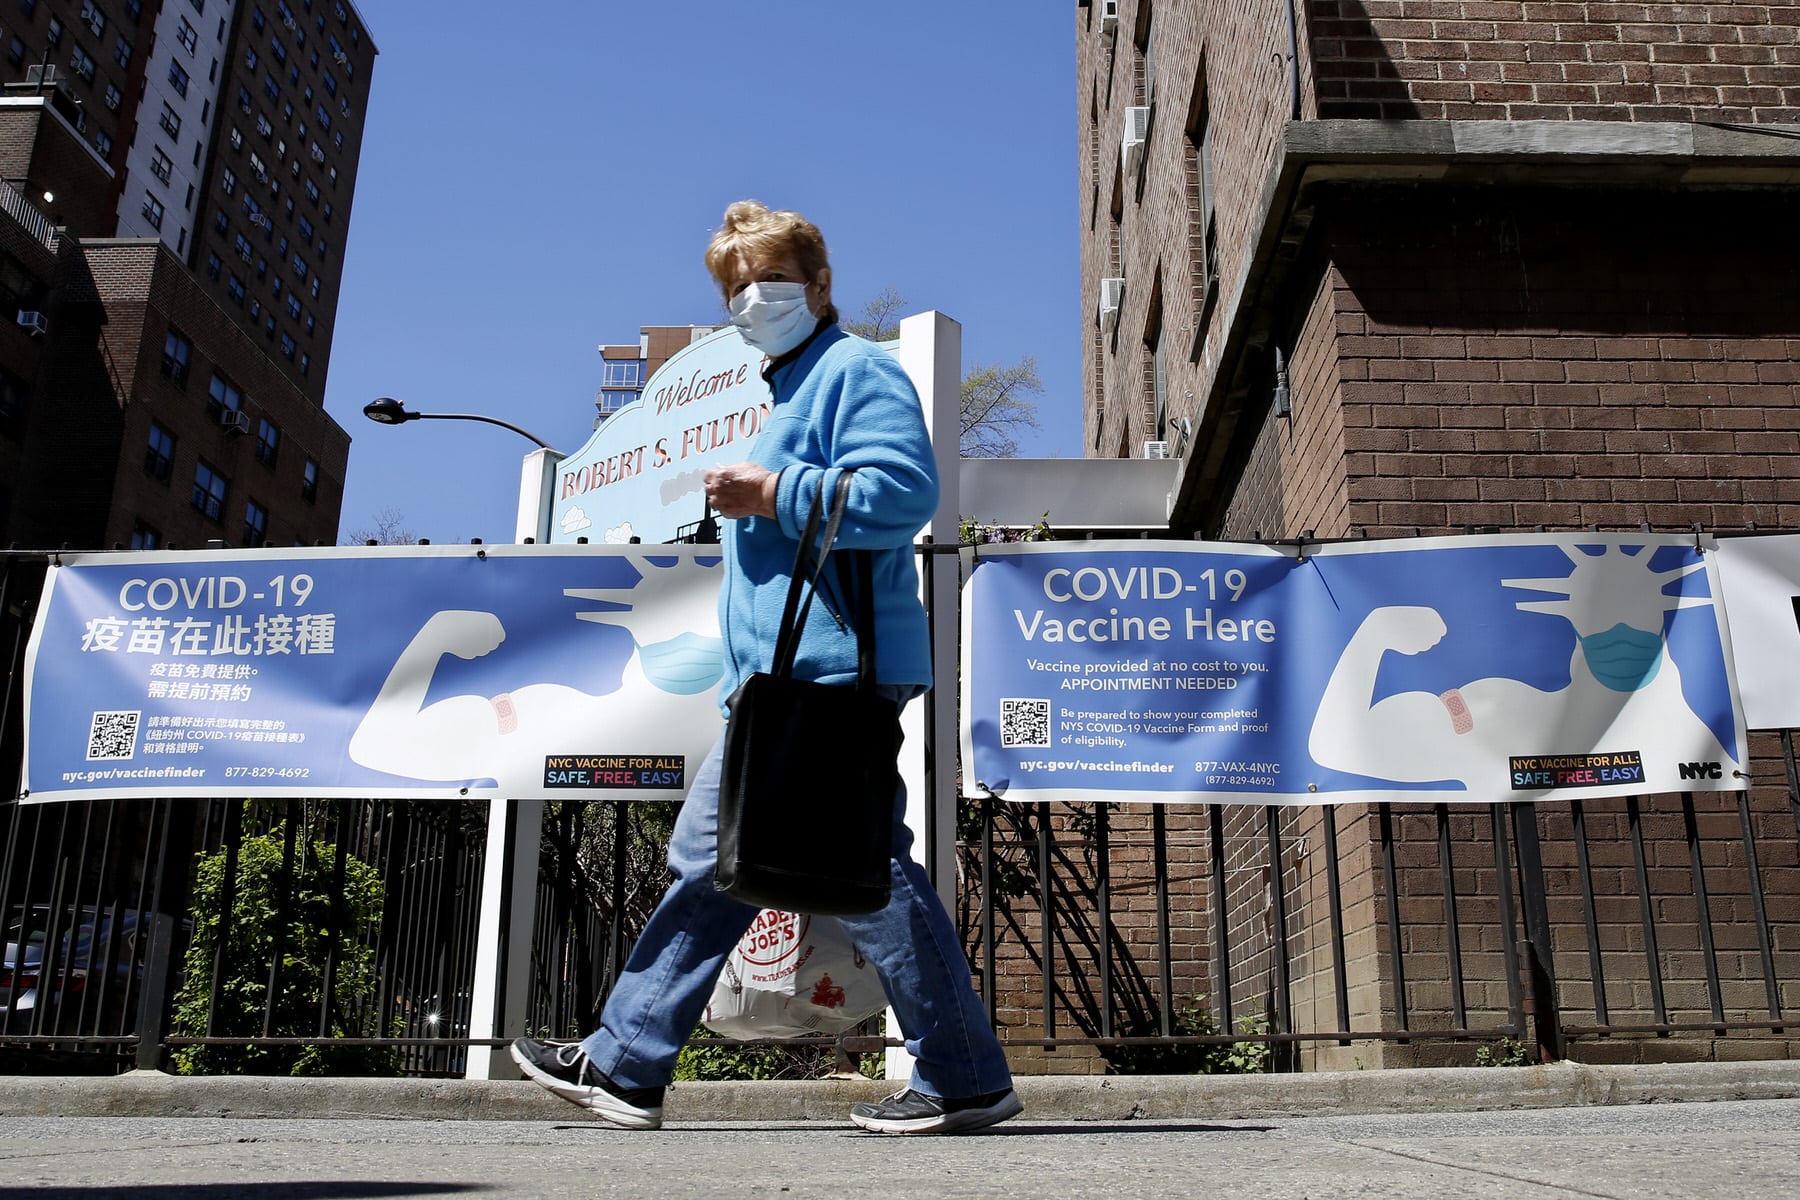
[1566,358]
[1525,60]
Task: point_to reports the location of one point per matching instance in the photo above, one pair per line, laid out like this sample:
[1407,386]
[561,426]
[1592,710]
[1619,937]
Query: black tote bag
[806,797]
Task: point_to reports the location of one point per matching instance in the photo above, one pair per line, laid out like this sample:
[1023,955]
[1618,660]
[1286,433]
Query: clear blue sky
[539,179]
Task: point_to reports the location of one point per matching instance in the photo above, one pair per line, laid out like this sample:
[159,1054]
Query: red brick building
[179,190]
[1397,267]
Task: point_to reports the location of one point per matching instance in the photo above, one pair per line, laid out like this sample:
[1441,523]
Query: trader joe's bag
[793,975]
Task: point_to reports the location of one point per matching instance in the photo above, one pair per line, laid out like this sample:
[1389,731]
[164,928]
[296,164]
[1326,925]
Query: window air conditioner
[34,320]
[1109,19]
[1156,449]
[235,420]
[1137,131]
[1112,294]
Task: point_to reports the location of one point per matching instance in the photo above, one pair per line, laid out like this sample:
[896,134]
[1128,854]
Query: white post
[537,494]
[931,352]
[503,934]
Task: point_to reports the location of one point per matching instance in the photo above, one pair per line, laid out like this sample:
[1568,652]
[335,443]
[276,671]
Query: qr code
[1024,723]
[113,735]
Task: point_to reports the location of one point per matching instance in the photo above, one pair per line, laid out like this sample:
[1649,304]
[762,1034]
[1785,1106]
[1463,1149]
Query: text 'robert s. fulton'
[1092,586]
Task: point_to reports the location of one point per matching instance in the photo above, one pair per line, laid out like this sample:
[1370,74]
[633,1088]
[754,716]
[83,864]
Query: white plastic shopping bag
[793,975]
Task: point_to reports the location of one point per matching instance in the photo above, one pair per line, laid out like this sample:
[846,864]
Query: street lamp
[388,411]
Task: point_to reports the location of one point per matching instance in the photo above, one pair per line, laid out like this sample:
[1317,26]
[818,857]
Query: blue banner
[456,671]
[1456,669]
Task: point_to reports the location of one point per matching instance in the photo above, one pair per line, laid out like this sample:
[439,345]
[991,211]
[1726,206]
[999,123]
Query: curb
[1052,1098]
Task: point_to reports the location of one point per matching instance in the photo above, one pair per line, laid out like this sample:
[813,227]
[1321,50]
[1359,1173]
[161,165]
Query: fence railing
[340,934]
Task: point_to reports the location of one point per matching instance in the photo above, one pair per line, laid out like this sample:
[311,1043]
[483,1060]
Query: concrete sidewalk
[1047,1098]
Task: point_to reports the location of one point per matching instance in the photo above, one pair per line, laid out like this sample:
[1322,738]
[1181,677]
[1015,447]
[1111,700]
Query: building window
[244,100]
[250,57]
[228,181]
[113,97]
[153,211]
[102,142]
[15,52]
[293,306]
[256,19]
[243,248]
[159,455]
[278,50]
[256,523]
[143,537]
[93,18]
[213,266]
[299,266]
[82,63]
[187,36]
[234,288]
[178,79]
[222,397]
[122,53]
[309,481]
[210,490]
[268,442]
[15,398]
[161,164]
[312,191]
[1203,225]
[262,125]
[221,222]
[305,363]
[330,83]
[287,346]
[271,87]
[176,350]
[55,32]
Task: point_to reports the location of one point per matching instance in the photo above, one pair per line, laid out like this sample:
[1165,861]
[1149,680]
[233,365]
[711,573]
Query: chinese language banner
[521,672]
[1454,669]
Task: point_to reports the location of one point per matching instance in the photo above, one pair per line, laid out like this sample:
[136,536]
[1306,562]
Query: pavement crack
[1429,1160]
[89,1151]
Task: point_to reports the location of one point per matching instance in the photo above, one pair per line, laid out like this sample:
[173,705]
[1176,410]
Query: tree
[996,403]
[880,321]
[389,530]
[997,400]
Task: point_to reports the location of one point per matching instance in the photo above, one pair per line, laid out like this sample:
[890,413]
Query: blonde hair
[755,231]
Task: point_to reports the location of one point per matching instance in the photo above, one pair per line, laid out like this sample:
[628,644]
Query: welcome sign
[641,473]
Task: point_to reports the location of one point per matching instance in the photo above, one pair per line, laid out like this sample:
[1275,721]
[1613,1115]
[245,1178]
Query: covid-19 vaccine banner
[1456,669]
[457,671]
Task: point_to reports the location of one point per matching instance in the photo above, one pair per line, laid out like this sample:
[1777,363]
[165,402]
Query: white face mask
[773,317]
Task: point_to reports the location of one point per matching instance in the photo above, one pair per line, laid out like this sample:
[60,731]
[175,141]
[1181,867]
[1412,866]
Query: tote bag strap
[856,580]
[793,613]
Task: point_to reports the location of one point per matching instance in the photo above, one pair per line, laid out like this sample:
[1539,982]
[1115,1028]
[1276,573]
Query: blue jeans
[671,971]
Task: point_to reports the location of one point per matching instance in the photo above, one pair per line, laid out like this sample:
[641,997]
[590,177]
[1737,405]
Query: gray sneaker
[565,1069]
[911,1112]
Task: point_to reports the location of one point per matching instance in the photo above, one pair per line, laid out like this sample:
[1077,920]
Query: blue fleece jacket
[841,402]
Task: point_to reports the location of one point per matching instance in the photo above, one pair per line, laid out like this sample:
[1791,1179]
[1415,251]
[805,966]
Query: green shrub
[247,935]
[1195,1058]
[709,1058]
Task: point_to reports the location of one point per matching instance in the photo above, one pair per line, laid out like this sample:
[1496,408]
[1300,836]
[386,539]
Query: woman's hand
[741,490]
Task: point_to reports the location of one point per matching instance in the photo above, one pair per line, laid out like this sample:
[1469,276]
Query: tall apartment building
[181,174]
[1404,266]
[624,369]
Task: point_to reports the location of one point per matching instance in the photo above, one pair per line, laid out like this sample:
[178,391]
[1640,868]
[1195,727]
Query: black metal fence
[339,935]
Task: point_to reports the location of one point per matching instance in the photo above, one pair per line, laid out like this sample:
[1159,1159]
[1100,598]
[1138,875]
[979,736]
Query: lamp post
[388,411]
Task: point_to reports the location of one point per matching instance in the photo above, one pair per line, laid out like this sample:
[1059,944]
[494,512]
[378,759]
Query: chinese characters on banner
[518,672]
